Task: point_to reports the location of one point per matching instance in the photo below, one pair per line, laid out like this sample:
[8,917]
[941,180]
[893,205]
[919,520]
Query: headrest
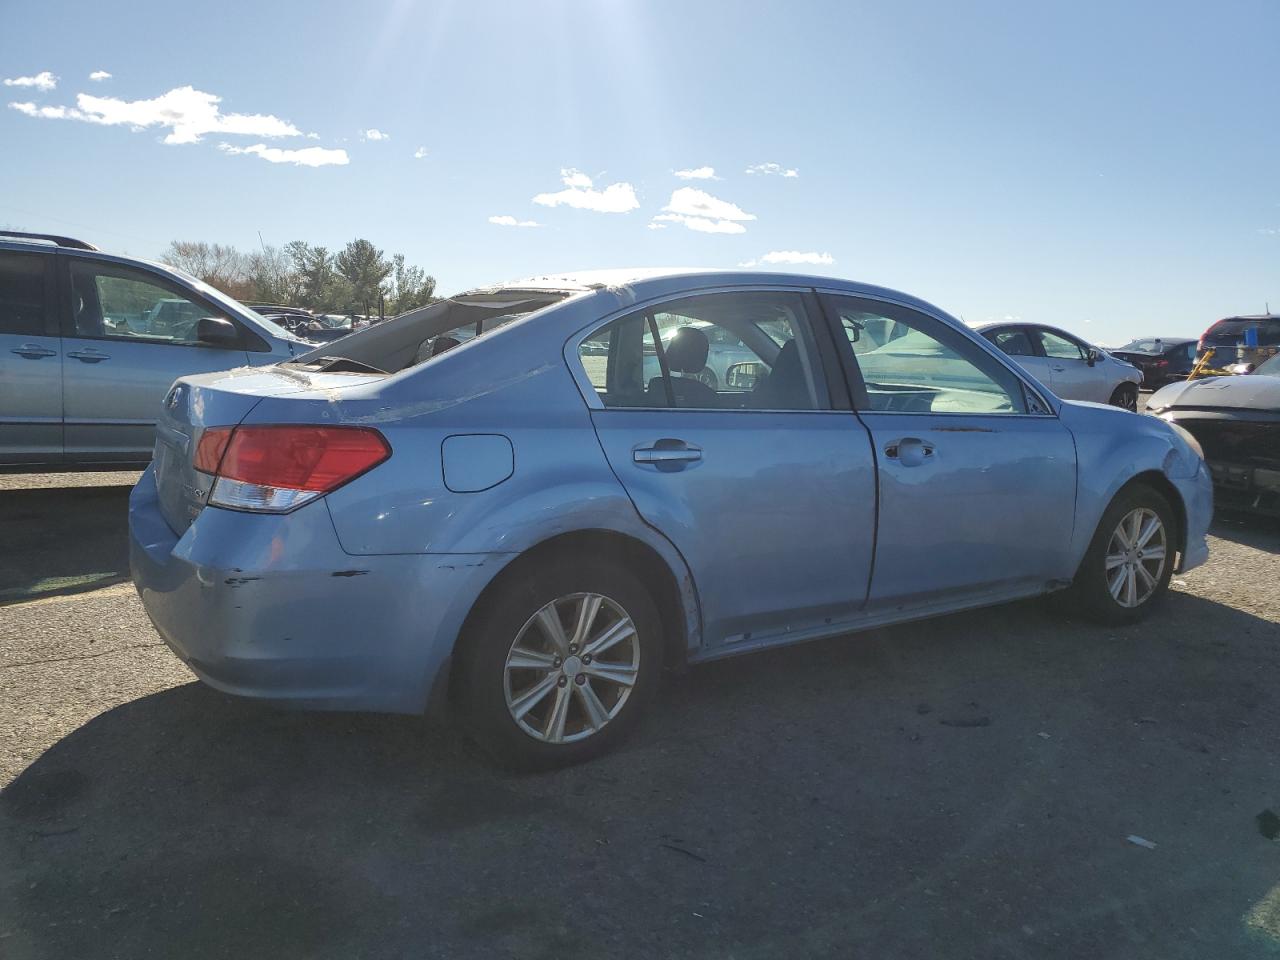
[687,351]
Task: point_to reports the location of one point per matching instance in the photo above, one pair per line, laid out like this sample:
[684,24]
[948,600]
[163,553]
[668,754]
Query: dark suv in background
[1248,340]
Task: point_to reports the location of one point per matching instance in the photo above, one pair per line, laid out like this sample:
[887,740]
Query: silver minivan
[91,342]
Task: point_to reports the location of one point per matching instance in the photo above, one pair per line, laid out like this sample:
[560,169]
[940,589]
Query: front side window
[911,363]
[723,351]
[1059,348]
[22,294]
[120,303]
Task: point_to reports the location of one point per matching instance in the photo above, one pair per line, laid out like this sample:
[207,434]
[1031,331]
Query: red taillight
[1161,363]
[301,458]
[212,445]
[277,468]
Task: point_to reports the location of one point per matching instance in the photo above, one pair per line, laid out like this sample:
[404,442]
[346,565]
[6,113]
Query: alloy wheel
[571,668]
[1135,558]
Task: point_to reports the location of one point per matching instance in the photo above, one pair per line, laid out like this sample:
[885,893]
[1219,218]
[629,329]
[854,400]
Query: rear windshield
[1148,346]
[418,336]
[1232,331]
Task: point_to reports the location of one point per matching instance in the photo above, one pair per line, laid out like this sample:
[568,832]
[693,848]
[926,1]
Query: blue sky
[1111,168]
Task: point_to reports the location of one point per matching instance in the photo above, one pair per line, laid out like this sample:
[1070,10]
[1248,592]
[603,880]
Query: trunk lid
[196,403]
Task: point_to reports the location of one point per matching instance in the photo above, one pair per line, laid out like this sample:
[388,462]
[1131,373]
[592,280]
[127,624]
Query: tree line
[359,278]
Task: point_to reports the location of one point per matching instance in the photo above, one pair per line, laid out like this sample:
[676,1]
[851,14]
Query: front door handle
[33,351]
[1057,369]
[89,356]
[668,453]
[910,451]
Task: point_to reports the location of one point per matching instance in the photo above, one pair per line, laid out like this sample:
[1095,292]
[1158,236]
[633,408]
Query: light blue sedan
[495,503]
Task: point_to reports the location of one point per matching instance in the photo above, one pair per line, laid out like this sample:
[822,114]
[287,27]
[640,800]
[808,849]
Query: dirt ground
[964,787]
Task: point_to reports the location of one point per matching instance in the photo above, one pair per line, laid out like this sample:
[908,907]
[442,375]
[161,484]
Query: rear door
[976,476]
[129,333]
[763,483]
[30,360]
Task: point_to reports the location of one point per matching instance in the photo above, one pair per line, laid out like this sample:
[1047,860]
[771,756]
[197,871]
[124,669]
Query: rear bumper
[270,607]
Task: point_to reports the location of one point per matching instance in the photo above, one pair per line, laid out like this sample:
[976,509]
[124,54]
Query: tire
[1125,396]
[561,726]
[1095,587]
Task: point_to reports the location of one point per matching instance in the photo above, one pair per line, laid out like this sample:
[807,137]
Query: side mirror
[744,376]
[217,332]
[1093,356]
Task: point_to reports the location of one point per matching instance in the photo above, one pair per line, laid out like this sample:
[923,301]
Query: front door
[129,335]
[715,413]
[1074,378]
[977,477]
[30,361]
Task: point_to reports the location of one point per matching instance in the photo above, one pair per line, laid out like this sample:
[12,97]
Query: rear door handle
[1057,369]
[910,451]
[89,356]
[667,451]
[33,351]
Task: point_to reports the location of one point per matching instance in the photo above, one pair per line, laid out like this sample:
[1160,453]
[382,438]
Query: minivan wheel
[558,665]
[1127,567]
[1126,397]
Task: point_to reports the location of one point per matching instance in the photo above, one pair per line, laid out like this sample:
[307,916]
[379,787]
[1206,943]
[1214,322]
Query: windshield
[1270,368]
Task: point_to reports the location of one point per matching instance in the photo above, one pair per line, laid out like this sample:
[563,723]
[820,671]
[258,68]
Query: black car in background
[1161,359]
[1236,421]
[1242,340]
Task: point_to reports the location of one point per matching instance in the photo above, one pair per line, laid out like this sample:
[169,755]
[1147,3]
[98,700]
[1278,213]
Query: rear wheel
[1126,397]
[558,665]
[1127,567]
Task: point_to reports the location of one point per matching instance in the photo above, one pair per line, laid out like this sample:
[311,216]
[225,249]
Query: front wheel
[1127,567]
[557,667]
[1125,396]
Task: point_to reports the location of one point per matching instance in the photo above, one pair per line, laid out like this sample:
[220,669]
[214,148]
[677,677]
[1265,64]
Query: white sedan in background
[1068,366]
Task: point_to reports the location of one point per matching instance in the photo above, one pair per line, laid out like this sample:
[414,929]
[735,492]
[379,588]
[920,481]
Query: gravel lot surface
[964,787]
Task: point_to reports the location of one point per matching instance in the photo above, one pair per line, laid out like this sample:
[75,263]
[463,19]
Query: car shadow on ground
[959,787]
[1248,529]
[39,523]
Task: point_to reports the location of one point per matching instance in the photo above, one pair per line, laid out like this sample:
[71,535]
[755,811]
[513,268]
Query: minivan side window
[23,306]
[749,350]
[120,303]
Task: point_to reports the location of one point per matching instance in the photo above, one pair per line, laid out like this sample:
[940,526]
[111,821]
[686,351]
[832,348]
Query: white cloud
[45,81]
[509,221]
[99,75]
[774,257]
[657,226]
[776,169]
[187,112]
[697,173]
[704,213]
[582,195]
[373,133]
[305,157]
[1269,231]
[46,113]
[419,153]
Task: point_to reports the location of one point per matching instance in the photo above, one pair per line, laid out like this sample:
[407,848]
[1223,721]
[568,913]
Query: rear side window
[751,350]
[23,304]
[1015,343]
